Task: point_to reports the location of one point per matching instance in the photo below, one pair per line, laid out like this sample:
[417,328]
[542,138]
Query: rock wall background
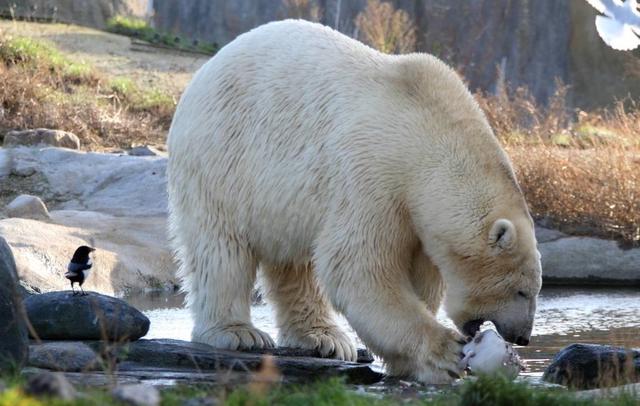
[93,13]
[535,41]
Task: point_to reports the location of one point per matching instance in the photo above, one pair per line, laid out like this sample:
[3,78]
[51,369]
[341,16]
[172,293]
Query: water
[565,315]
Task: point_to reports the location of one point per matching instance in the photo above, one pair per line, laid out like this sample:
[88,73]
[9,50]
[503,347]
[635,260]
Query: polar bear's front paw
[234,337]
[442,363]
[330,342]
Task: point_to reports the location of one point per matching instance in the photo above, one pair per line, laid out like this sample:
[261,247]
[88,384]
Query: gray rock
[27,207]
[50,384]
[63,316]
[119,185]
[544,234]
[24,170]
[133,254]
[6,162]
[42,137]
[64,356]
[588,366]
[202,401]
[137,395]
[145,150]
[14,344]
[587,260]
[179,355]
[631,390]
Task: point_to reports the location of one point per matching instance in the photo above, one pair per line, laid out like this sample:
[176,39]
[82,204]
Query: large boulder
[588,366]
[42,137]
[64,316]
[28,207]
[14,344]
[132,253]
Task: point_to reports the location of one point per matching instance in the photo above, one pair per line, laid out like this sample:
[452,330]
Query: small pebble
[137,395]
[53,384]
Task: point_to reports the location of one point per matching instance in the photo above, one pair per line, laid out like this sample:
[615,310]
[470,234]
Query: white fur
[296,145]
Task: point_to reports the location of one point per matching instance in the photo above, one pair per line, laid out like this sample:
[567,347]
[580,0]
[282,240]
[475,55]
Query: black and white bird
[619,27]
[79,267]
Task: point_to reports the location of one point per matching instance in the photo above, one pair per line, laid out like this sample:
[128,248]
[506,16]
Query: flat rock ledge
[167,362]
[571,260]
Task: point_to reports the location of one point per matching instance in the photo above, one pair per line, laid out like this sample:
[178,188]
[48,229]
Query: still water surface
[565,315]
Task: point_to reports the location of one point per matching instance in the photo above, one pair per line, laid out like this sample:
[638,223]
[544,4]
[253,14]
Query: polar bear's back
[291,114]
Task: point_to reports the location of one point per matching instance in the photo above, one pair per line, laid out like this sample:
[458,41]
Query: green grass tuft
[138,99]
[137,28]
[42,55]
[482,391]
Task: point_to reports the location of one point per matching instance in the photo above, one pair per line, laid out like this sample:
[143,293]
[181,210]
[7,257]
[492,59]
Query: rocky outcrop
[116,203]
[114,184]
[131,253]
[587,366]
[42,137]
[13,331]
[64,316]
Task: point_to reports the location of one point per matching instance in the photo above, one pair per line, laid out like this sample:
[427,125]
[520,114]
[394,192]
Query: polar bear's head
[500,283]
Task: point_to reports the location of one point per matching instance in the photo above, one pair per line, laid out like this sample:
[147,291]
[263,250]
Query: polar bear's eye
[521,293]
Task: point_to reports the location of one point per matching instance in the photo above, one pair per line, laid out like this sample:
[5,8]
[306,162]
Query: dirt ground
[115,55]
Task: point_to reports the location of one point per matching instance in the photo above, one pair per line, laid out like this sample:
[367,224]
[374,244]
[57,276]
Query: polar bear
[359,182]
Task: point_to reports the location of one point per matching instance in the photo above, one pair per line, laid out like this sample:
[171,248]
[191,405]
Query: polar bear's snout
[514,321]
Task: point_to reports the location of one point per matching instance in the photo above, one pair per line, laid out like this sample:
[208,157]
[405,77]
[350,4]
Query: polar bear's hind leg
[304,316]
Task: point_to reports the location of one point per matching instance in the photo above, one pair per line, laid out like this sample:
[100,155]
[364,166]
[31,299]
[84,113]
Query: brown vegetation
[386,29]
[302,9]
[42,88]
[579,171]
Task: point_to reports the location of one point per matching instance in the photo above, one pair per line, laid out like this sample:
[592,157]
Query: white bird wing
[625,12]
[617,35]
[598,5]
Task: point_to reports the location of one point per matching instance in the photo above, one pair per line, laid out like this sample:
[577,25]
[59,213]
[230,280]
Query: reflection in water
[565,315]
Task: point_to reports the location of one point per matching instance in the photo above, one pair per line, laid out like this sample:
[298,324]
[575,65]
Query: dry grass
[579,171]
[302,9]
[386,29]
[41,88]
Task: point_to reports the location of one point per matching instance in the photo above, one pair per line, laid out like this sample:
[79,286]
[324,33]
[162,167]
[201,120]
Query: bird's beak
[92,249]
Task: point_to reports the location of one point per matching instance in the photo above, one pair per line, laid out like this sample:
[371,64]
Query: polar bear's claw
[331,343]
[235,337]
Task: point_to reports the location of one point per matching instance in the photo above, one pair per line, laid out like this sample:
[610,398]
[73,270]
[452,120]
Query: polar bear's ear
[502,234]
